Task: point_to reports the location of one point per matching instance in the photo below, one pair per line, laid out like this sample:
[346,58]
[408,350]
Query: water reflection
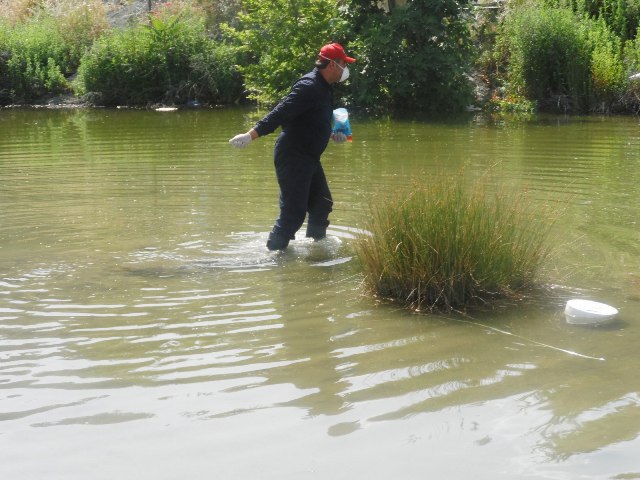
[136,295]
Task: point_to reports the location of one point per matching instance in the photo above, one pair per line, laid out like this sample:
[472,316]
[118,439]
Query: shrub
[79,24]
[621,16]
[413,57]
[34,60]
[38,52]
[122,68]
[218,77]
[171,60]
[547,54]
[14,11]
[632,62]
[281,40]
[607,68]
[4,56]
[443,247]
[561,61]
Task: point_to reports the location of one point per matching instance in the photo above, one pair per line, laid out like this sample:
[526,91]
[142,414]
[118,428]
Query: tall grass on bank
[547,56]
[562,60]
[608,79]
[41,46]
[632,61]
[33,60]
[447,247]
[172,60]
[13,11]
[622,17]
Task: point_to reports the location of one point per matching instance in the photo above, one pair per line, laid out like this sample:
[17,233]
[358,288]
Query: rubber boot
[277,241]
[316,232]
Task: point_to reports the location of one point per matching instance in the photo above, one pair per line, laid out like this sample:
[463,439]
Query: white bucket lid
[588,311]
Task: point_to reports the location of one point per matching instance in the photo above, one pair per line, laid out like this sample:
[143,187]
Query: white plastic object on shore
[166,109]
[588,312]
[635,76]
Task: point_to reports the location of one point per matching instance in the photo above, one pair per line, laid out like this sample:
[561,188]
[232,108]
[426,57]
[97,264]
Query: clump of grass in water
[446,247]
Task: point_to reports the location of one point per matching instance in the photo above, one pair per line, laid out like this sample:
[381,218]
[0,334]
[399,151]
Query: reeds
[447,247]
[41,43]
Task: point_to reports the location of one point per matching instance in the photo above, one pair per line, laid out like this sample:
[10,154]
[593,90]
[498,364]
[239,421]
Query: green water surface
[147,333]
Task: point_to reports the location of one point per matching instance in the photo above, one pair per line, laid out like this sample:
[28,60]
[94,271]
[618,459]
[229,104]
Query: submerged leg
[319,206]
[294,175]
[277,241]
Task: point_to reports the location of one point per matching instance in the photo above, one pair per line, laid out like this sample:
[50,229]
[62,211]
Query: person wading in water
[305,118]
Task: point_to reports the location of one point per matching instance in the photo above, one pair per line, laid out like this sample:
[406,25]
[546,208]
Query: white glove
[339,137]
[241,140]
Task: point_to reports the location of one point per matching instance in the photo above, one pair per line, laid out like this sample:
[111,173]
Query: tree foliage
[409,57]
[281,39]
[413,56]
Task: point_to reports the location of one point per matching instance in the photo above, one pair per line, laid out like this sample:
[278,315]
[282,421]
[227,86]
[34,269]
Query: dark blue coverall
[305,117]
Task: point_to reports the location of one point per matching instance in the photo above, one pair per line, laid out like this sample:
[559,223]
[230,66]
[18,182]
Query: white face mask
[345,72]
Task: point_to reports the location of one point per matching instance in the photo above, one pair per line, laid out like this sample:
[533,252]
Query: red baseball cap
[334,51]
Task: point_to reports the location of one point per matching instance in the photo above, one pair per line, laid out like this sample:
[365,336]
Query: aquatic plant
[447,246]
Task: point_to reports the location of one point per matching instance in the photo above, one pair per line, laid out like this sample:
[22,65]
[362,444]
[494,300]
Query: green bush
[171,60]
[413,57]
[632,62]
[216,76]
[621,16]
[561,60]
[607,68]
[5,96]
[33,60]
[281,39]
[123,68]
[446,247]
[40,51]
[632,55]
[79,24]
[547,54]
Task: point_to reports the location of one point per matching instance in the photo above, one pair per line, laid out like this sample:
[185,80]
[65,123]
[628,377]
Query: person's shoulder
[308,78]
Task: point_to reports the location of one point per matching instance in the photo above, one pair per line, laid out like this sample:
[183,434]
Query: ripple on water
[153,317]
[241,252]
[136,291]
